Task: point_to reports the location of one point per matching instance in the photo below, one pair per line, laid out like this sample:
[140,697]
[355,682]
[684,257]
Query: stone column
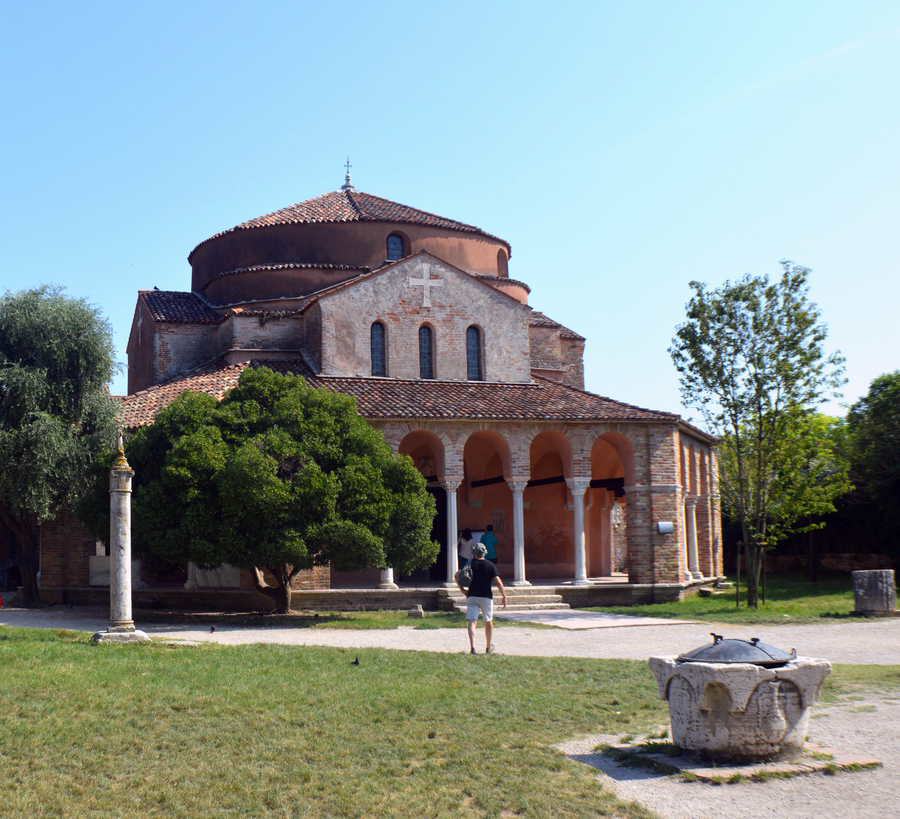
[578,486]
[450,486]
[517,487]
[387,579]
[121,625]
[690,515]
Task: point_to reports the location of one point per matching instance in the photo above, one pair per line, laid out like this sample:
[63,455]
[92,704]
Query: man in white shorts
[480,597]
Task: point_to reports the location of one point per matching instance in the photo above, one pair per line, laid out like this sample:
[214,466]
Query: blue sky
[622,148]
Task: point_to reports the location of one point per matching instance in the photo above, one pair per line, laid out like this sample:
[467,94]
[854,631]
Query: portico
[570,503]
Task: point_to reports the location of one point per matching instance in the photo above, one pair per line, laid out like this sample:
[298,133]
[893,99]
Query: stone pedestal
[121,626]
[875,592]
[740,711]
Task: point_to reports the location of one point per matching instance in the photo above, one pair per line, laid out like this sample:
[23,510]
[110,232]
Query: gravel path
[867,729]
[874,641]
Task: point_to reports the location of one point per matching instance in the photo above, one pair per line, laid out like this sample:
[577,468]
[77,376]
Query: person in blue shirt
[489,539]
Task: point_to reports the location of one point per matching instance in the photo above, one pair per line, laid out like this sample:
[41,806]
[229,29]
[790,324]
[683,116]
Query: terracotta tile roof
[539,319]
[287,266]
[178,307]
[542,400]
[351,206]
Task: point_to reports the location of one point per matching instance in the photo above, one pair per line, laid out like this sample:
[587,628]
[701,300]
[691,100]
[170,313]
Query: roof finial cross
[348,185]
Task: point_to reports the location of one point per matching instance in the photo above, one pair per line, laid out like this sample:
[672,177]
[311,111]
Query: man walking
[480,597]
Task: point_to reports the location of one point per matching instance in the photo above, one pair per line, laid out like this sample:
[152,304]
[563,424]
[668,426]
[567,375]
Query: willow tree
[56,415]
[751,359]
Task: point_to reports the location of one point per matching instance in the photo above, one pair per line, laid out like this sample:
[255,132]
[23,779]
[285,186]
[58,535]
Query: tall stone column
[450,486]
[578,486]
[690,514]
[387,579]
[121,625]
[517,487]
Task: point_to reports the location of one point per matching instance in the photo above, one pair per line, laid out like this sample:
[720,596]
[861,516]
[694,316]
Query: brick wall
[65,548]
[458,302]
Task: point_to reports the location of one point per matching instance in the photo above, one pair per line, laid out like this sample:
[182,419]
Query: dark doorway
[436,573]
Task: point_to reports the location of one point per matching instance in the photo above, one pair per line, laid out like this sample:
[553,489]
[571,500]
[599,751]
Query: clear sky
[622,148]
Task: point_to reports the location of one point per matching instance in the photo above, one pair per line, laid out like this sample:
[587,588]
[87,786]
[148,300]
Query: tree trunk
[754,571]
[280,595]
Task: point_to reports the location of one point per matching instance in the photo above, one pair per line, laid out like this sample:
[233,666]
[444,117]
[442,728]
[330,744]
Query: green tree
[56,415]
[277,477]
[874,424]
[751,359]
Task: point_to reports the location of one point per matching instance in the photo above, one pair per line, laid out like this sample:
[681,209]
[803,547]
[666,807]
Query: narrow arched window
[426,352]
[379,357]
[474,369]
[502,263]
[396,247]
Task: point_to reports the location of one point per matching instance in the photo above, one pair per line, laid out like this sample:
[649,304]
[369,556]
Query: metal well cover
[739,651]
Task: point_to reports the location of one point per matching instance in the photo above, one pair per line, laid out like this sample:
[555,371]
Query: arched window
[474,369]
[379,357]
[426,352]
[396,247]
[502,263]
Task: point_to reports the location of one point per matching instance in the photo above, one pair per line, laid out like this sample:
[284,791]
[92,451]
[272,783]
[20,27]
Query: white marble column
[578,486]
[121,625]
[517,487]
[690,516]
[450,486]
[387,579]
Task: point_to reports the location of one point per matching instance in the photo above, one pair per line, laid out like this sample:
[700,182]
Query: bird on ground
[212,629]
[355,662]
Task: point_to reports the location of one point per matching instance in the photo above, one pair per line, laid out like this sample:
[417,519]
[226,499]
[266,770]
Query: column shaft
[452,534]
[120,617]
[577,488]
[693,557]
[518,493]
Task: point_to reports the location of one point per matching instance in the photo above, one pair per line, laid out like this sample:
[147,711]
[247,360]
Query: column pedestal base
[388,586]
[120,636]
[520,583]
[581,582]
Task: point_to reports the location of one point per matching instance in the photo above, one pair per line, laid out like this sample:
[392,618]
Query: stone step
[513,598]
[498,609]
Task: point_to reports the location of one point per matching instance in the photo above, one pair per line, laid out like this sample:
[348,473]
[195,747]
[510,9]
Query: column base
[520,583]
[696,575]
[583,581]
[389,586]
[120,636]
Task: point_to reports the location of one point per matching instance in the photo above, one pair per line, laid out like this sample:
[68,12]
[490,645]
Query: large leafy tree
[277,477]
[874,424]
[56,415]
[751,359]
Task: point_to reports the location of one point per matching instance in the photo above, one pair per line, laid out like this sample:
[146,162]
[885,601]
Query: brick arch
[486,446]
[621,448]
[427,452]
[547,442]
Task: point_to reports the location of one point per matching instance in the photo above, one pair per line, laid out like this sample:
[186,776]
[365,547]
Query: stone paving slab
[579,619]
[815,758]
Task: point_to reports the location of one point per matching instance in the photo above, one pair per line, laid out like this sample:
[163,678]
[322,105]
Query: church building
[416,316]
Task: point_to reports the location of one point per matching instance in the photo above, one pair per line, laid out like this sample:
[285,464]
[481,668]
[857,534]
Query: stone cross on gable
[426,283]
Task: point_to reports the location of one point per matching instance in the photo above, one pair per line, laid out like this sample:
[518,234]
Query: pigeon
[355,662]
[212,629]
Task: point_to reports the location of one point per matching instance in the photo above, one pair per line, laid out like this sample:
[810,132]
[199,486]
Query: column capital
[578,486]
[691,501]
[451,482]
[517,483]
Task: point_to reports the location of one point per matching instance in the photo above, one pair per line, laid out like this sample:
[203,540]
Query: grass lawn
[140,730]
[788,599]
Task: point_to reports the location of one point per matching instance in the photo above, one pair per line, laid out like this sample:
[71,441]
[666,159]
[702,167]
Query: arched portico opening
[484,496]
[427,453]
[549,549]
[612,468]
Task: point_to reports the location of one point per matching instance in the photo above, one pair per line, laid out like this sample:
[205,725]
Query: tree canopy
[751,359]
[56,415]
[874,424]
[278,477]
